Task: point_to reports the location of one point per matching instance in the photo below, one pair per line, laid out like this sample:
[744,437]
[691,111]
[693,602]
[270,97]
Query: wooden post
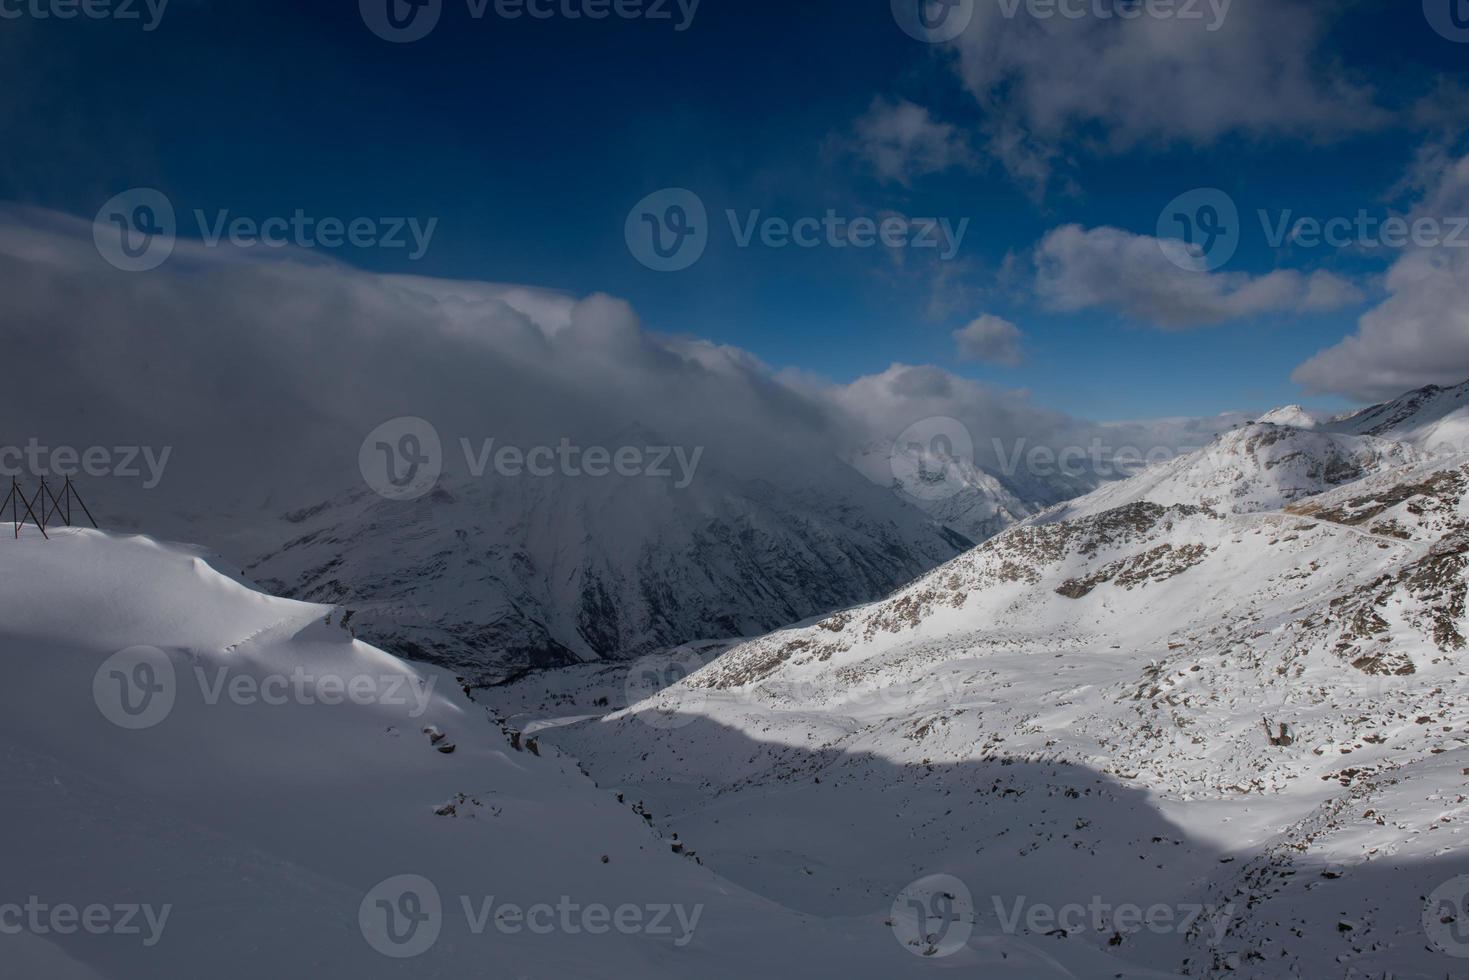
[16,499]
[71,492]
[55,504]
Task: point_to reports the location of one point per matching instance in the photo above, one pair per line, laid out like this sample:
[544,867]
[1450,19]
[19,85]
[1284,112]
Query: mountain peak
[1292,415]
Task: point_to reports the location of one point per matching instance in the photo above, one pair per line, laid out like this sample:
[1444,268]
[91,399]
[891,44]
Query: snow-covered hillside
[494,576]
[1431,418]
[201,780]
[1254,468]
[1293,415]
[1249,705]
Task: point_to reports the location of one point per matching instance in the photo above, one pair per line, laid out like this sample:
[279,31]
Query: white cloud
[264,372]
[990,339]
[1155,81]
[1419,335]
[1154,281]
[902,140]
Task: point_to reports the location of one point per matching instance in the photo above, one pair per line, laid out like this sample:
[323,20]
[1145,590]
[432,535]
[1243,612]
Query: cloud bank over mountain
[265,369]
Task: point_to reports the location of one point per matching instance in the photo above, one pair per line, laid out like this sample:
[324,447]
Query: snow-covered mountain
[950,488]
[1293,415]
[1257,467]
[1250,704]
[495,576]
[202,780]
[1220,737]
[1431,418]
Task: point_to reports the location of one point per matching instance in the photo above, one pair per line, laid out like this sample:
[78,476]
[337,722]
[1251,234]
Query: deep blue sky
[530,141]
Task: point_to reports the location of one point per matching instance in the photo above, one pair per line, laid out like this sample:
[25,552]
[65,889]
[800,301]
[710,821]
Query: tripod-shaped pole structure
[68,494]
[15,502]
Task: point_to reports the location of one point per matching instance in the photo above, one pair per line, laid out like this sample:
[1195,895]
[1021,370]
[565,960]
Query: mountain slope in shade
[260,826]
[494,576]
[1258,712]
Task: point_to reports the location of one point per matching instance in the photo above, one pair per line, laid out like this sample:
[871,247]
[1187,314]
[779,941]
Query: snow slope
[1206,705]
[1431,418]
[1258,467]
[1293,415]
[261,825]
